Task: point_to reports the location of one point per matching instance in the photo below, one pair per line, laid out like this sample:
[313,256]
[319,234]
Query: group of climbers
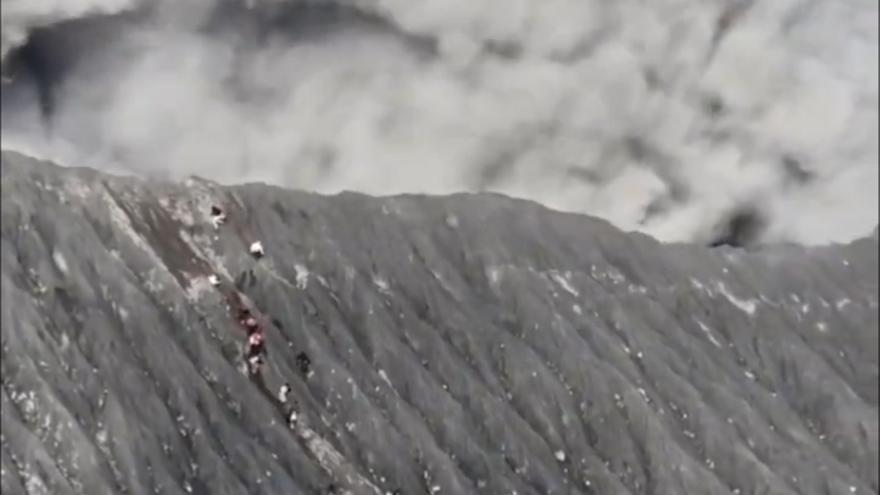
[255,347]
[290,409]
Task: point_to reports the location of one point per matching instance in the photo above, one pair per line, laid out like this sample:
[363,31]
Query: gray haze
[664,116]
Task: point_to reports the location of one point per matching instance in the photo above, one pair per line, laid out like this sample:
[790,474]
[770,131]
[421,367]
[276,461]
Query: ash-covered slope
[458,345]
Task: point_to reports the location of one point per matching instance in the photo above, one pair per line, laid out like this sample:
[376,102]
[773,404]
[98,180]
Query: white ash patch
[101,437]
[637,289]
[577,310]
[709,334]
[27,402]
[177,210]
[123,223]
[60,262]
[331,460]
[616,276]
[34,484]
[384,377]
[120,219]
[78,188]
[381,284]
[201,246]
[493,273]
[770,302]
[748,306]
[696,284]
[452,221]
[302,276]
[274,274]
[842,303]
[611,274]
[152,278]
[822,327]
[442,281]
[197,287]
[564,281]
[117,308]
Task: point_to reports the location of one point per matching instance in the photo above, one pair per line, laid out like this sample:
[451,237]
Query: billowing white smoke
[662,116]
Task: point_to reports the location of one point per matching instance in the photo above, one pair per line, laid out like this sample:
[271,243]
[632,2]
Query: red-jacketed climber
[256,343]
[256,347]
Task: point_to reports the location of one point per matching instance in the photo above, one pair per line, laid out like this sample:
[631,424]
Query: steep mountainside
[456,345]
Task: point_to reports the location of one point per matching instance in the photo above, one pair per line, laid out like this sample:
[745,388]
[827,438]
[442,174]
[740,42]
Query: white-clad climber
[256,249]
[283,393]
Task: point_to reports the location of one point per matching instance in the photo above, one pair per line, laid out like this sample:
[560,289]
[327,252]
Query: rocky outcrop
[456,345]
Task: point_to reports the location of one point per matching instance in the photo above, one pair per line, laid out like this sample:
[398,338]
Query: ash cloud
[668,117]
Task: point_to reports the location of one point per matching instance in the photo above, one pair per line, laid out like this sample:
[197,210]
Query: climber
[291,414]
[256,344]
[247,320]
[218,218]
[254,352]
[251,325]
[283,393]
[256,250]
[303,363]
[254,363]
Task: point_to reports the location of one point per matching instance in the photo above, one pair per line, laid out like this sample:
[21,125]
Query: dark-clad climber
[218,218]
[303,363]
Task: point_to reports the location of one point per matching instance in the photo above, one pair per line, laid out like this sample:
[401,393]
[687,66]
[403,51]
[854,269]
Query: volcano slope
[458,345]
